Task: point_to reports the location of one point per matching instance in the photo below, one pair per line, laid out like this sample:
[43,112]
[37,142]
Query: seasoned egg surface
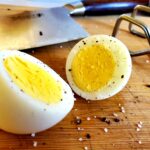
[33,96]
[98,67]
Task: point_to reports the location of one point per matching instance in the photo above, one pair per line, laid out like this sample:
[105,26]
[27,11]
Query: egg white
[123,60]
[22,114]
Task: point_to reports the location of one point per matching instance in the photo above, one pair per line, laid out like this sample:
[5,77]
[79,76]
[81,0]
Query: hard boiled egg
[33,97]
[98,67]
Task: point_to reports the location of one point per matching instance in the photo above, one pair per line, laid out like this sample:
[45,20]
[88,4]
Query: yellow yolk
[33,79]
[93,67]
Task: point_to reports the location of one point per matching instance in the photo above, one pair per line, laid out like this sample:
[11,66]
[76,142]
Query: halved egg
[98,67]
[33,97]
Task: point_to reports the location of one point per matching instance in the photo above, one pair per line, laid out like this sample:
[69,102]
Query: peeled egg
[33,97]
[98,67]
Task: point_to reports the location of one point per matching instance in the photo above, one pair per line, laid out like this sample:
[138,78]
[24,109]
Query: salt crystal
[77,117]
[140,142]
[80,139]
[105,130]
[147,61]
[80,129]
[122,109]
[119,105]
[137,129]
[85,148]
[33,134]
[61,46]
[114,114]
[95,117]
[35,143]
[140,122]
[88,118]
[139,125]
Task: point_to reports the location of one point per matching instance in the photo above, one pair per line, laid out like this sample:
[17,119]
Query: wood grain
[135,98]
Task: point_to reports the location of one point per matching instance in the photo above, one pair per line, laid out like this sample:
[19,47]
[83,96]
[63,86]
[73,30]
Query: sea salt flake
[85,148]
[35,143]
[137,129]
[140,122]
[115,115]
[33,134]
[88,118]
[80,139]
[140,142]
[105,130]
[139,125]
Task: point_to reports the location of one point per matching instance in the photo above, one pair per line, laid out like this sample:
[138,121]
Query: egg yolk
[93,67]
[33,79]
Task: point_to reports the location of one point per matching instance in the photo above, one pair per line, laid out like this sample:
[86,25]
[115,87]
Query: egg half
[33,97]
[98,67]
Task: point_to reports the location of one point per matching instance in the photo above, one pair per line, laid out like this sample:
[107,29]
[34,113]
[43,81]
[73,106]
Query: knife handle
[110,8]
[92,2]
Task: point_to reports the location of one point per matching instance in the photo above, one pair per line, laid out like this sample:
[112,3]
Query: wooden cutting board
[135,98]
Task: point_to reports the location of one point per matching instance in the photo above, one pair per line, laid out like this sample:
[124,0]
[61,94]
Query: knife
[105,8]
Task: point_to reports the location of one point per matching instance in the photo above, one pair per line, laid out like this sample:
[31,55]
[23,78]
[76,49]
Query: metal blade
[40,28]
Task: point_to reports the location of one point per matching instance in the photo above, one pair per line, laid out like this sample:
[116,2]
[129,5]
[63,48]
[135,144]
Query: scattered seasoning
[113,82]
[80,139]
[85,148]
[88,118]
[35,143]
[137,129]
[61,99]
[140,142]
[80,129]
[88,136]
[103,119]
[65,92]
[78,121]
[107,121]
[122,109]
[69,69]
[95,117]
[40,33]
[115,115]
[21,90]
[75,109]
[116,119]
[84,42]
[147,85]
[33,134]
[140,122]
[122,76]
[147,61]
[39,15]
[96,41]
[8,9]
[119,105]
[139,125]
[105,130]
